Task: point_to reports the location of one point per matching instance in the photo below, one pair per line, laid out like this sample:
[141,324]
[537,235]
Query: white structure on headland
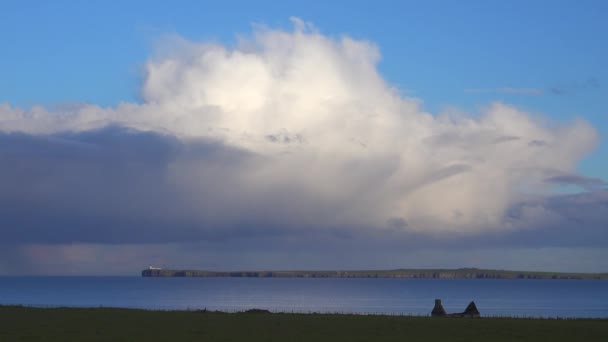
[154,268]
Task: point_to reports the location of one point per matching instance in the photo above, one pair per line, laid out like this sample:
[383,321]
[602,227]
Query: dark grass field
[107,324]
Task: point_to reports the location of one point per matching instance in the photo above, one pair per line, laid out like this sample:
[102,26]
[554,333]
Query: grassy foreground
[106,324]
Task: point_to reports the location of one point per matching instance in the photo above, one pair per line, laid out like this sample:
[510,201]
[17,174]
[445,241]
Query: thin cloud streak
[508,90]
[588,183]
[589,84]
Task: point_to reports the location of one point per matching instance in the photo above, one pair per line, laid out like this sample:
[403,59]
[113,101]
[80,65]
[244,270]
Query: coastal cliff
[461,273]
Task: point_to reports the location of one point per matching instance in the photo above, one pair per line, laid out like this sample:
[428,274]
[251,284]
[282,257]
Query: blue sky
[545,58]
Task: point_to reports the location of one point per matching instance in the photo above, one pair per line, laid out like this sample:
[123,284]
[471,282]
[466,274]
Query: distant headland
[460,273]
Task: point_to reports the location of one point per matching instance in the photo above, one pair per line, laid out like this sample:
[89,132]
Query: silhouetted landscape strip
[461,273]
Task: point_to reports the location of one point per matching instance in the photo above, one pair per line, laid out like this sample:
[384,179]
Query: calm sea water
[539,298]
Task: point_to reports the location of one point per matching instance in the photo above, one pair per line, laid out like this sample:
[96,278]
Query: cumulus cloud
[285,132]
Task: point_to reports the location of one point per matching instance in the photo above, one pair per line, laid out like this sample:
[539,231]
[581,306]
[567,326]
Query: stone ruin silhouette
[438,310]
[471,311]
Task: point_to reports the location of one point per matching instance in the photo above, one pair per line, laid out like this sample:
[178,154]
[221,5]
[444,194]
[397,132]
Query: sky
[242,135]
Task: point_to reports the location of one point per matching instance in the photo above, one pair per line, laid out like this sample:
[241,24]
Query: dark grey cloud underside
[110,186]
[115,186]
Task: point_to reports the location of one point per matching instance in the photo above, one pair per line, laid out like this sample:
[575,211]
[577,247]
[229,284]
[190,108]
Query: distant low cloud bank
[287,132]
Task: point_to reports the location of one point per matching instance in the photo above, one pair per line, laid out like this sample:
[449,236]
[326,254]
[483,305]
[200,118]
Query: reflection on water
[546,298]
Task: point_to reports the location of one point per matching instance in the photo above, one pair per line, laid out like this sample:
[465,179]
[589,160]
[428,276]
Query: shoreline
[257,311]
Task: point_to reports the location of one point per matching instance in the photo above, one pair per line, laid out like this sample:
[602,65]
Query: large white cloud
[326,141]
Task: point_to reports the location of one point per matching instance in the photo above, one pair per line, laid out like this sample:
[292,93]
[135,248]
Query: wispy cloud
[508,90]
[589,84]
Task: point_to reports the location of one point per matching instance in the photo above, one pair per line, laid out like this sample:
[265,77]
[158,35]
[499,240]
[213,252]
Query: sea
[493,297]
